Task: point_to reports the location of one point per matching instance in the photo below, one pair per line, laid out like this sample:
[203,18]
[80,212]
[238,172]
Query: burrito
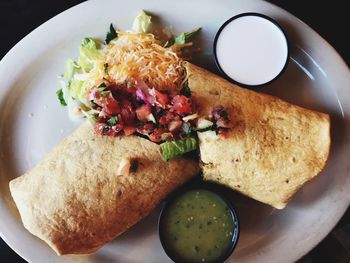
[272,147]
[91,188]
[105,177]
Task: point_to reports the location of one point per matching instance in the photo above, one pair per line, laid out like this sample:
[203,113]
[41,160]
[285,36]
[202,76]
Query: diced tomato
[138,106]
[115,86]
[143,112]
[130,90]
[161,98]
[110,132]
[181,104]
[174,126]
[127,113]
[156,136]
[146,129]
[170,116]
[149,126]
[128,130]
[98,127]
[111,106]
[103,119]
[162,120]
[93,95]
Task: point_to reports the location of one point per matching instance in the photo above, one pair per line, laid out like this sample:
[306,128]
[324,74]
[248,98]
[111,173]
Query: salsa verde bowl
[198,224]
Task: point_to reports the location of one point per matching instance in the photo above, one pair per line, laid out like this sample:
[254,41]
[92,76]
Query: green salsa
[198,226]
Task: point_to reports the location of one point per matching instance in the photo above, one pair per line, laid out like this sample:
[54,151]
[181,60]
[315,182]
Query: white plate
[316,78]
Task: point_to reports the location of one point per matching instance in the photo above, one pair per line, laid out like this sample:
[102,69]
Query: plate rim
[12,52]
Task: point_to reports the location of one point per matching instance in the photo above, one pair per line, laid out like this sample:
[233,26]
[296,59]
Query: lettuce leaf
[186,36]
[171,150]
[88,54]
[141,23]
[89,43]
[72,68]
[74,88]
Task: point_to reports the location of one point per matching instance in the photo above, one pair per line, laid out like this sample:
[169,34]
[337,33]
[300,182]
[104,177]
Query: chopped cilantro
[93,105]
[59,94]
[111,34]
[113,121]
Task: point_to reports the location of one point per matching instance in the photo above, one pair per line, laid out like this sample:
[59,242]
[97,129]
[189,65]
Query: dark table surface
[328,18]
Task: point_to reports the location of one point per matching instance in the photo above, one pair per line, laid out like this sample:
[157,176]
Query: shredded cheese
[141,56]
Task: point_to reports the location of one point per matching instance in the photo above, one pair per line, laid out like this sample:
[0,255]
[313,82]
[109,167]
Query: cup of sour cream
[251,49]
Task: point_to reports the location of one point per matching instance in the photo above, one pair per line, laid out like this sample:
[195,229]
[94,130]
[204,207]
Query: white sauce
[251,50]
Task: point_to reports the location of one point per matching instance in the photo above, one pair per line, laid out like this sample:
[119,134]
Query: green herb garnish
[60,97]
[113,121]
[111,34]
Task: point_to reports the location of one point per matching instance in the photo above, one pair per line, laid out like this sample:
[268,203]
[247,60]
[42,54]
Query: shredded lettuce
[75,88]
[141,23]
[72,68]
[88,54]
[75,76]
[171,150]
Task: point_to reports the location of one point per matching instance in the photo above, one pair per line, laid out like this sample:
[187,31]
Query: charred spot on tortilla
[134,165]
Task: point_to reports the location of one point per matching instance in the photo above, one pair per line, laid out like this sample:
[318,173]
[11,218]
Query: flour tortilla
[273,148]
[75,200]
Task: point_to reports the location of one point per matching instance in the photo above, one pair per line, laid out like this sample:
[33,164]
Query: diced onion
[190,117]
[203,124]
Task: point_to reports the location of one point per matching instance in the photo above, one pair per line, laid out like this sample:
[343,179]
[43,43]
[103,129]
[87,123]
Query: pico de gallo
[158,115]
[133,83]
